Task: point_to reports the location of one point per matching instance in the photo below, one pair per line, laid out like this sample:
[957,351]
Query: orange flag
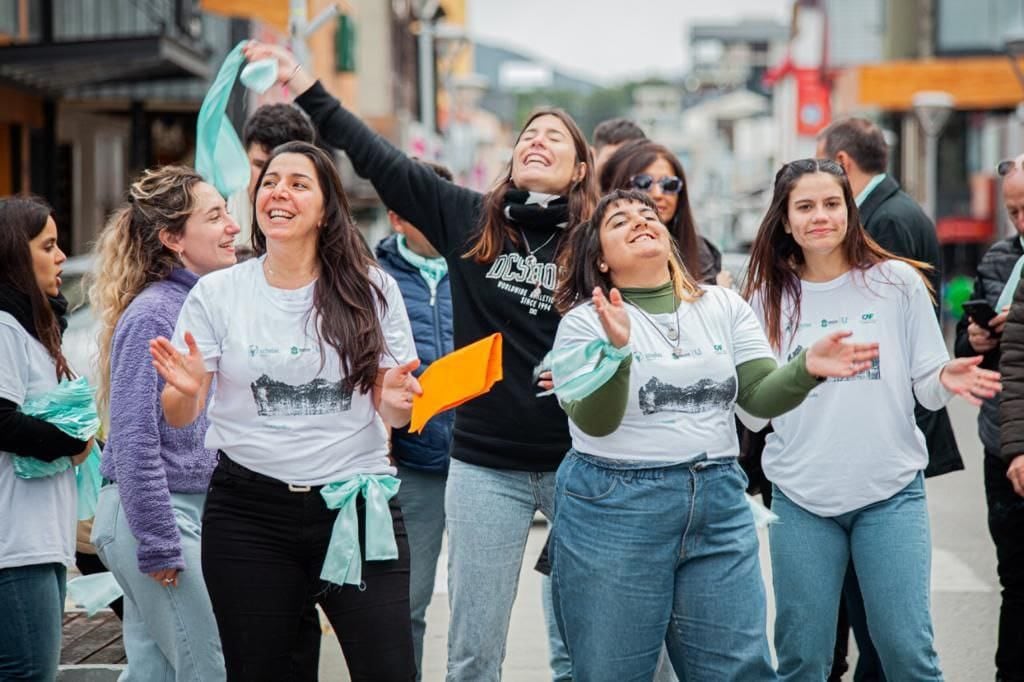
[456,378]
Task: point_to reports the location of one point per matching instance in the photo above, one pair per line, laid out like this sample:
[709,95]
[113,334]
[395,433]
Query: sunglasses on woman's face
[1006,167]
[644,182]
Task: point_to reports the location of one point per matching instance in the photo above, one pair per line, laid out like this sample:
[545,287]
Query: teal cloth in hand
[71,408]
[89,481]
[343,563]
[94,592]
[590,365]
[220,158]
[260,75]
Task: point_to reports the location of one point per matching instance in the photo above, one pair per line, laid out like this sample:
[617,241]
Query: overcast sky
[608,40]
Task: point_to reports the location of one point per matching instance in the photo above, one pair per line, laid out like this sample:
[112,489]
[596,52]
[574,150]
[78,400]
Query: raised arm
[443,211]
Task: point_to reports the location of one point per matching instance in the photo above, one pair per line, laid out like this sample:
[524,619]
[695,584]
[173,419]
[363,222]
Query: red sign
[813,108]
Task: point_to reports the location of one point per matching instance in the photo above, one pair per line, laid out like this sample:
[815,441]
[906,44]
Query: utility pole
[300,28]
[428,89]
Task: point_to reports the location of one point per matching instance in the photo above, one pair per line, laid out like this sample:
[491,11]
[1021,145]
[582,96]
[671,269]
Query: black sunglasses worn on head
[669,184]
[1005,167]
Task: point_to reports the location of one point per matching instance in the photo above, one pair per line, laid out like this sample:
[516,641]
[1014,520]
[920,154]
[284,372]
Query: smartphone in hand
[981,313]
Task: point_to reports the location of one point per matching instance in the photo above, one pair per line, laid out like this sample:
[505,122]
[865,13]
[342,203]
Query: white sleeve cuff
[930,392]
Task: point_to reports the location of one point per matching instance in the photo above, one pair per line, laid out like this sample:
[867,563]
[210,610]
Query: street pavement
[965,591]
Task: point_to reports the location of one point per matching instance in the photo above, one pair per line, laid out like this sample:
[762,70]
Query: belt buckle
[298,488]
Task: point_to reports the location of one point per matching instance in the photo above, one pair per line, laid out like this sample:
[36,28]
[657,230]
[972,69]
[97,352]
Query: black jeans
[263,549]
[1006,525]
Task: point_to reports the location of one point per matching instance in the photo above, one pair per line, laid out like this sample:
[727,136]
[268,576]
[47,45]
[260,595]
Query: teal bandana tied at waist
[343,564]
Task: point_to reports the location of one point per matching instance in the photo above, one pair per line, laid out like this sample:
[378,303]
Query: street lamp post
[932,109]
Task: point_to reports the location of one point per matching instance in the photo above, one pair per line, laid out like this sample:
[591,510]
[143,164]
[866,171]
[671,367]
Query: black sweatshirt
[509,427]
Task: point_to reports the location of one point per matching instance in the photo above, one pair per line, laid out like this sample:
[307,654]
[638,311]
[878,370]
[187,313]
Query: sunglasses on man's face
[1006,167]
[669,185]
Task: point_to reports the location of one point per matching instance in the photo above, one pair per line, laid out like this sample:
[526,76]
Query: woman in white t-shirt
[653,539]
[310,352]
[846,465]
[37,515]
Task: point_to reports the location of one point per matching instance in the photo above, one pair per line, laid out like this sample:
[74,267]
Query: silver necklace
[673,336]
[531,260]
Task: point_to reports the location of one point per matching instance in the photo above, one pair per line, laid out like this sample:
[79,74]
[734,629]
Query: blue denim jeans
[422,498]
[648,555]
[169,632]
[558,656]
[890,545]
[489,514]
[31,617]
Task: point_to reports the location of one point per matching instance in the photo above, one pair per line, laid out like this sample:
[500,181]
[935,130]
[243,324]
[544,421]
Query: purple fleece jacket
[148,458]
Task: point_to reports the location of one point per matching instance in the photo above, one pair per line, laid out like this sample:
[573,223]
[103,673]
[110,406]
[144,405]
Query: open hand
[614,317]
[183,372]
[832,357]
[963,377]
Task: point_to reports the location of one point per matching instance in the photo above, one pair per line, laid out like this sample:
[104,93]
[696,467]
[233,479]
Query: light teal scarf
[220,157]
[343,563]
[433,270]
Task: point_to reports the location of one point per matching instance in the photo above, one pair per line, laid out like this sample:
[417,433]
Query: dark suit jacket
[897,223]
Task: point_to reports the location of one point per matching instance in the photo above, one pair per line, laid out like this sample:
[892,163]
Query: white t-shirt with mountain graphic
[854,441]
[681,393]
[275,409]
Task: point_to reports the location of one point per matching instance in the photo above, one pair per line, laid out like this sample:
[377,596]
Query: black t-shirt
[509,427]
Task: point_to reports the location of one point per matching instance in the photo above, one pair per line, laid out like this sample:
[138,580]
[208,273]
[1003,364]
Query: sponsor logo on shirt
[255,350]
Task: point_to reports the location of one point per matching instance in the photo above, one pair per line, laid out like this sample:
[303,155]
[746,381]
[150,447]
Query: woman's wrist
[299,80]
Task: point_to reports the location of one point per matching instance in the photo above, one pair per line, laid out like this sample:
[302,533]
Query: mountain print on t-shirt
[319,396]
[703,396]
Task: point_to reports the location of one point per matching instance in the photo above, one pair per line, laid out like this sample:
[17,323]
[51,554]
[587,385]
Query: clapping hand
[614,317]
[833,357]
[963,377]
[183,372]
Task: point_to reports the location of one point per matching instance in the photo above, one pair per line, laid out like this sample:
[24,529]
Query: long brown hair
[494,228]
[22,218]
[346,299]
[130,255]
[632,159]
[579,267]
[776,260]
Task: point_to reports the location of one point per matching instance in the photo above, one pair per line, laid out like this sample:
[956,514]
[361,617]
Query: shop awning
[974,82]
[58,66]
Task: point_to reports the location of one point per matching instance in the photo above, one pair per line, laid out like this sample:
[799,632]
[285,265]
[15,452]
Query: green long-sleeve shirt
[765,389]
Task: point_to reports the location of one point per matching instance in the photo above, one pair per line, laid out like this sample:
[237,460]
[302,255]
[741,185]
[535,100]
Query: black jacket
[993,272]
[1011,365]
[897,223]
[509,427]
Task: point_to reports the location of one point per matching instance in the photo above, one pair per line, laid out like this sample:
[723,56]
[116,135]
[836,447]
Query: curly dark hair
[275,124]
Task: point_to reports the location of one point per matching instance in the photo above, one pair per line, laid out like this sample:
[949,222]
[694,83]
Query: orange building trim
[273,12]
[975,83]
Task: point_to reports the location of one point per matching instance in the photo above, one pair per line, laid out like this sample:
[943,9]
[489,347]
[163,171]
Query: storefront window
[975,26]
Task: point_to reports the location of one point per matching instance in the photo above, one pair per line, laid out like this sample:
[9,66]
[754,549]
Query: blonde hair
[130,255]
